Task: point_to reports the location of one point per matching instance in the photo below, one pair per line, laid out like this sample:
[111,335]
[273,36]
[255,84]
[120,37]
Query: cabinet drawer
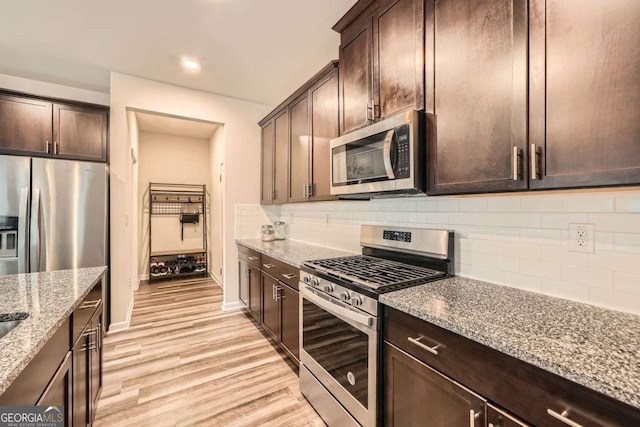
[253,257]
[280,270]
[530,393]
[82,314]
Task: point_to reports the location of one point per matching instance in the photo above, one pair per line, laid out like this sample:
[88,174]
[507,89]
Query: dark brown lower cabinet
[270,306]
[290,321]
[59,390]
[417,395]
[80,383]
[255,298]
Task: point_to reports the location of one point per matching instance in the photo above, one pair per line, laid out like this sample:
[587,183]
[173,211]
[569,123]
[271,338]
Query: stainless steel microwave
[386,157]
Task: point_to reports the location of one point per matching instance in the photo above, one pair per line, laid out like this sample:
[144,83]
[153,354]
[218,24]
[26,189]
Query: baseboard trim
[124,325]
[232,306]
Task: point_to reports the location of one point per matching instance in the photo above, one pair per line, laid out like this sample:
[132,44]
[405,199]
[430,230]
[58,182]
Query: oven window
[338,347]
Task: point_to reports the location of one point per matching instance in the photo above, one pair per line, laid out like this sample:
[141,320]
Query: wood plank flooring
[184,362]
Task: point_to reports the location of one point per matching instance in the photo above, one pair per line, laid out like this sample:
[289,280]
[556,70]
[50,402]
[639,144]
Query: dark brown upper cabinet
[295,142]
[25,126]
[477,94]
[584,82]
[38,127]
[79,133]
[275,158]
[381,60]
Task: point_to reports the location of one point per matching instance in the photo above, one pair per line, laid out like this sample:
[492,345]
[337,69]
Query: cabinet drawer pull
[47,147]
[268,265]
[289,276]
[563,417]
[278,296]
[416,341]
[90,304]
[55,147]
[253,258]
[473,416]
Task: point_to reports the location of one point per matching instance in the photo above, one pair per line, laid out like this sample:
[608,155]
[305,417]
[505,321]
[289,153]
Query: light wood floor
[184,362]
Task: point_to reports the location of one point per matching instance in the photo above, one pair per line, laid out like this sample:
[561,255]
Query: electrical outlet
[582,238]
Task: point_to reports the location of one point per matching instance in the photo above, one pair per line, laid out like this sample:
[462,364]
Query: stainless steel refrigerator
[53,214]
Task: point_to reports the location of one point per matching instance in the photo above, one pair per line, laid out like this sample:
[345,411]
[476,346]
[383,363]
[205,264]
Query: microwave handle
[388,167]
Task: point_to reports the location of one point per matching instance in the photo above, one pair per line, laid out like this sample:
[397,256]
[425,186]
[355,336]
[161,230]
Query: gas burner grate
[374,272]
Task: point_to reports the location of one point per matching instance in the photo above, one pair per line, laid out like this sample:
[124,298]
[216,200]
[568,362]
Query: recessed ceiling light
[190,64]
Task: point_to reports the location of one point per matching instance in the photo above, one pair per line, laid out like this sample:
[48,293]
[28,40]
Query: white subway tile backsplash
[503,204]
[625,282]
[598,202]
[628,202]
[519,240]
[587,276]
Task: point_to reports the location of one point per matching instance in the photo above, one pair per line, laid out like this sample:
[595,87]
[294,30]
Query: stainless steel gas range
[340,316]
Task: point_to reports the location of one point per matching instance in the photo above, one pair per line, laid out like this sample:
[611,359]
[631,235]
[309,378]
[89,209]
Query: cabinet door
[270,307]
[79,133]
[243,274]
[480,88]
[584,91]
[281,159]
[290,320]
[499,418]
[356,109]
[95,365]
[267,164]
[255,294]
[417,395]
[324,127]
[81,354]
[25,126]
[59,392]
[398,57]
[299,149]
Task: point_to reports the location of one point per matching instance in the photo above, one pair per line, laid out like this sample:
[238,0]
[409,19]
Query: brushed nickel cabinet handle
[253,258]
[534,161]
[473,416]
[268,266]
[289,276]
[516,164]
[273,291]
[55,147]
[564,417]
[47,146]
[416,341]
[277,294]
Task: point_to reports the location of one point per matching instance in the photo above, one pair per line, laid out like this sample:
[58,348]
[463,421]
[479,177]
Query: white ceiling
[258,50]
[175,125]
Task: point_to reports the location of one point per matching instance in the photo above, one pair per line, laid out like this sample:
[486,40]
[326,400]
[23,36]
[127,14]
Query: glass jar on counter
[281,230]
[268,233]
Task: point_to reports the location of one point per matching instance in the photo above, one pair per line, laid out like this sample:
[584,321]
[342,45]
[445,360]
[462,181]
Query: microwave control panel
[403,166]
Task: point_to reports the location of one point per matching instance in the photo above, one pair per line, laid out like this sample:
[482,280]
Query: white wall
[216,160]
[518,240]
[241,154]
[169,159]
[51,90]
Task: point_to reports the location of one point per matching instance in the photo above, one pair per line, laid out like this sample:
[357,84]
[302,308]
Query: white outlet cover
[582,238]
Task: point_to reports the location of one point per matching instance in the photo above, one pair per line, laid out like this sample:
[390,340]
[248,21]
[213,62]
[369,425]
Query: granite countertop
[292,252]
[592,346]
[49,298]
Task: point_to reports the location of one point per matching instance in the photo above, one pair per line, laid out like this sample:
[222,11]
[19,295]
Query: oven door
[339,346]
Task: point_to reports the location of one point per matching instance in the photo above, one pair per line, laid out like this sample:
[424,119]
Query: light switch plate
[582,238]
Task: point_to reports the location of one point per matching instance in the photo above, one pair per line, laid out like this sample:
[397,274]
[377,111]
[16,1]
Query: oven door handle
[388,167]
[338,309]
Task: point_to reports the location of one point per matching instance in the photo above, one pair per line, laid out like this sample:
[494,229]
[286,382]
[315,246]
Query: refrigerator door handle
[23,241]
[35,231]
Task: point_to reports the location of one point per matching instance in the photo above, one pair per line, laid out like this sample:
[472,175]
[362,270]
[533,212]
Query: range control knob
[315,281]
[357,301]
[344,296]
[328,288]
[307,279]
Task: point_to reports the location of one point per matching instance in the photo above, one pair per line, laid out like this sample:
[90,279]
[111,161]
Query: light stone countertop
[592,346]
[49,298]
[292,252]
